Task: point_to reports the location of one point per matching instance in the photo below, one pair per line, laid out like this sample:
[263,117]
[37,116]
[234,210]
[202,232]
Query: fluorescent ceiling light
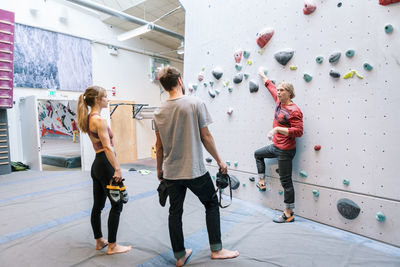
[136,32]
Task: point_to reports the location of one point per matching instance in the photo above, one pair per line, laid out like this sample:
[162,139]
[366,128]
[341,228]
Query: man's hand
[271,133]
[160,175]
[223,168]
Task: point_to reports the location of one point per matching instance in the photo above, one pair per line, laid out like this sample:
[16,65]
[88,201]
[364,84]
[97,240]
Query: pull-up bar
[136,108]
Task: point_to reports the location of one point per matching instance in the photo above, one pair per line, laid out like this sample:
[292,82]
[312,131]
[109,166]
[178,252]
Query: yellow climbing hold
[349,74]
[359,75]
[249,62]
[293,67]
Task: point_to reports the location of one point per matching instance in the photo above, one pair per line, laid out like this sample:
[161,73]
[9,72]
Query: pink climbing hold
[264,36]
[309,7]
[388,2]
[229,111]
[238,56]
[317,148]
[201,76]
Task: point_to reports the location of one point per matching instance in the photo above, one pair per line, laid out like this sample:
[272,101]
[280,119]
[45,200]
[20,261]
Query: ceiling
[149,10]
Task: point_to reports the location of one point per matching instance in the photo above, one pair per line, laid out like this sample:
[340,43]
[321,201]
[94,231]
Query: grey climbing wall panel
[354,120]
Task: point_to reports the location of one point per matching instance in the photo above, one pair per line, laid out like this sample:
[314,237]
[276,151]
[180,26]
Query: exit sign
[51,92]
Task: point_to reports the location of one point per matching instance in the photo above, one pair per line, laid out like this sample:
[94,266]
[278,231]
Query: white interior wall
[129,71]
[353,120]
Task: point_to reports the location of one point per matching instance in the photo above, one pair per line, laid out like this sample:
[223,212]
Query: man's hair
[168,77]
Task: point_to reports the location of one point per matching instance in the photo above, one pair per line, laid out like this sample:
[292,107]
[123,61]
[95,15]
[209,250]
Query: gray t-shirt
[178,122]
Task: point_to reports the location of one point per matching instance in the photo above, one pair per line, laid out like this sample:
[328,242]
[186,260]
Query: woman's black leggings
[102,172]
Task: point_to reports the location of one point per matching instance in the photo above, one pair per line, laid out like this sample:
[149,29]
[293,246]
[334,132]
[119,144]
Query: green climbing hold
[293,67]
[249,62]
[195,86]
[265,72]
[319,59]
[388,28]
[280,192]
[315,192]
[205,84]
[244,185]
[238,67]
[213,177]
[144,172]
[246,54]
[303,174]
[380,217]
[246,75]
[228,163]
[236,163]
[217,91]
[350,53]
[307,77]
[367,67]
[211,83]
[230,89]
[346,182]
[350,74]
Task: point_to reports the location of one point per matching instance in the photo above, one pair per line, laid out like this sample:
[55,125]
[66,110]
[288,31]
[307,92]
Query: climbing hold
[387,2]
[265,72]
[225,84]
[217,91]
[205,84]
[190,86]
[246,54]
[249,62]
[211,83]
[334,58]
[348,209]
[283,57]
[334,74]
[230,89]
[293,67]
[253,86]
[244,185]
[217,73]
[144,172]
[367,67]
[229,111]
[213,177]
[315,192]
[228,163]
[252,179]
[260,51]
[317,148]
[236,163]
[359,76]
[238,56]
[380,217]
[238,78]
[350,53]
[208,160]
[350,74]
[200,77]
[264,36]
[319,59]
[273,81]
[280,192]
[309,7]
[211,92]
[303,174]
[307,77]
[246,75]
[277,171]
[339,4]
[346,182]
[203,68]
[238,67]
[195,86]
[388,28]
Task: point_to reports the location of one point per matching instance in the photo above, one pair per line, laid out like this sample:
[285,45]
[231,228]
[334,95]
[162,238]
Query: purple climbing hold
[238,78]
[283,57]
[334,58]
[217,73]
[253,86]
[264,36]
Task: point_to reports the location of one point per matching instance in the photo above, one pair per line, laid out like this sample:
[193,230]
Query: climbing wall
[55,117]
[354,120]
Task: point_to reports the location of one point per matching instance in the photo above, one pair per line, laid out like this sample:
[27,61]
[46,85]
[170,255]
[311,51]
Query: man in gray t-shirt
[181,130]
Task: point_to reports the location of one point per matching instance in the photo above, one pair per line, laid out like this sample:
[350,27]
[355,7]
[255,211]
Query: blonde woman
[287,125]
[105,166]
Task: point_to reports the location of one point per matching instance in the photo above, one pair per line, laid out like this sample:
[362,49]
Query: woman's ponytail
[83,113]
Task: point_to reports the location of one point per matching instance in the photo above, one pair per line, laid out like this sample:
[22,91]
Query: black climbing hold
[339,4]
[348,209]
[334,57]
[217,73]
[277,171]
[238,78]
[283,57]
[253,86]
[252,179]
[234,182]
[334,74]
[208,160]
[132,170]
[211,92]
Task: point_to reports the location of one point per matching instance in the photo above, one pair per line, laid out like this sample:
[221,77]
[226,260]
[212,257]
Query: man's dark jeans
[285,168]
[203,188]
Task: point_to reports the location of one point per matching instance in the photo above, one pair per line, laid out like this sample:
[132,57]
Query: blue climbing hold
[303,174]
[367,67]
[388,28]
[238,67]
[307,77]
[350,53]
[380,217]
[319,59]
[280,192]
[316,193]
[346,182]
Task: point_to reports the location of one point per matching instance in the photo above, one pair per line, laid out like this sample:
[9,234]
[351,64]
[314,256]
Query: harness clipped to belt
[222,182]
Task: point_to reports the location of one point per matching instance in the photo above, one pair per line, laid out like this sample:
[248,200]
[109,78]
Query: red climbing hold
[388,2]
[317,148]
[309,7]
[264,36]
[238,56]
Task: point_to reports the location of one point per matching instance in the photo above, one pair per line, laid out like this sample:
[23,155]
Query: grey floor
[45,221]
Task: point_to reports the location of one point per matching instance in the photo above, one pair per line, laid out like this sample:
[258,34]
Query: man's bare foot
[101,243]
[224,254]
[183,260]
[114,248]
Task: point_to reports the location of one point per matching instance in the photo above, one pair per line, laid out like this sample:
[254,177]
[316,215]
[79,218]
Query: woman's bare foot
[224,254]
[183,260]
[101,243]
[114,248]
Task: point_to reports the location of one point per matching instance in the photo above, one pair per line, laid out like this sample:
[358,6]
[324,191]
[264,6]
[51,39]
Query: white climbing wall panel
[356,121]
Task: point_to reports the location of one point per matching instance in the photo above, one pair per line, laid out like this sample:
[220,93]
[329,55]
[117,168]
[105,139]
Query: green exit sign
[52,92]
